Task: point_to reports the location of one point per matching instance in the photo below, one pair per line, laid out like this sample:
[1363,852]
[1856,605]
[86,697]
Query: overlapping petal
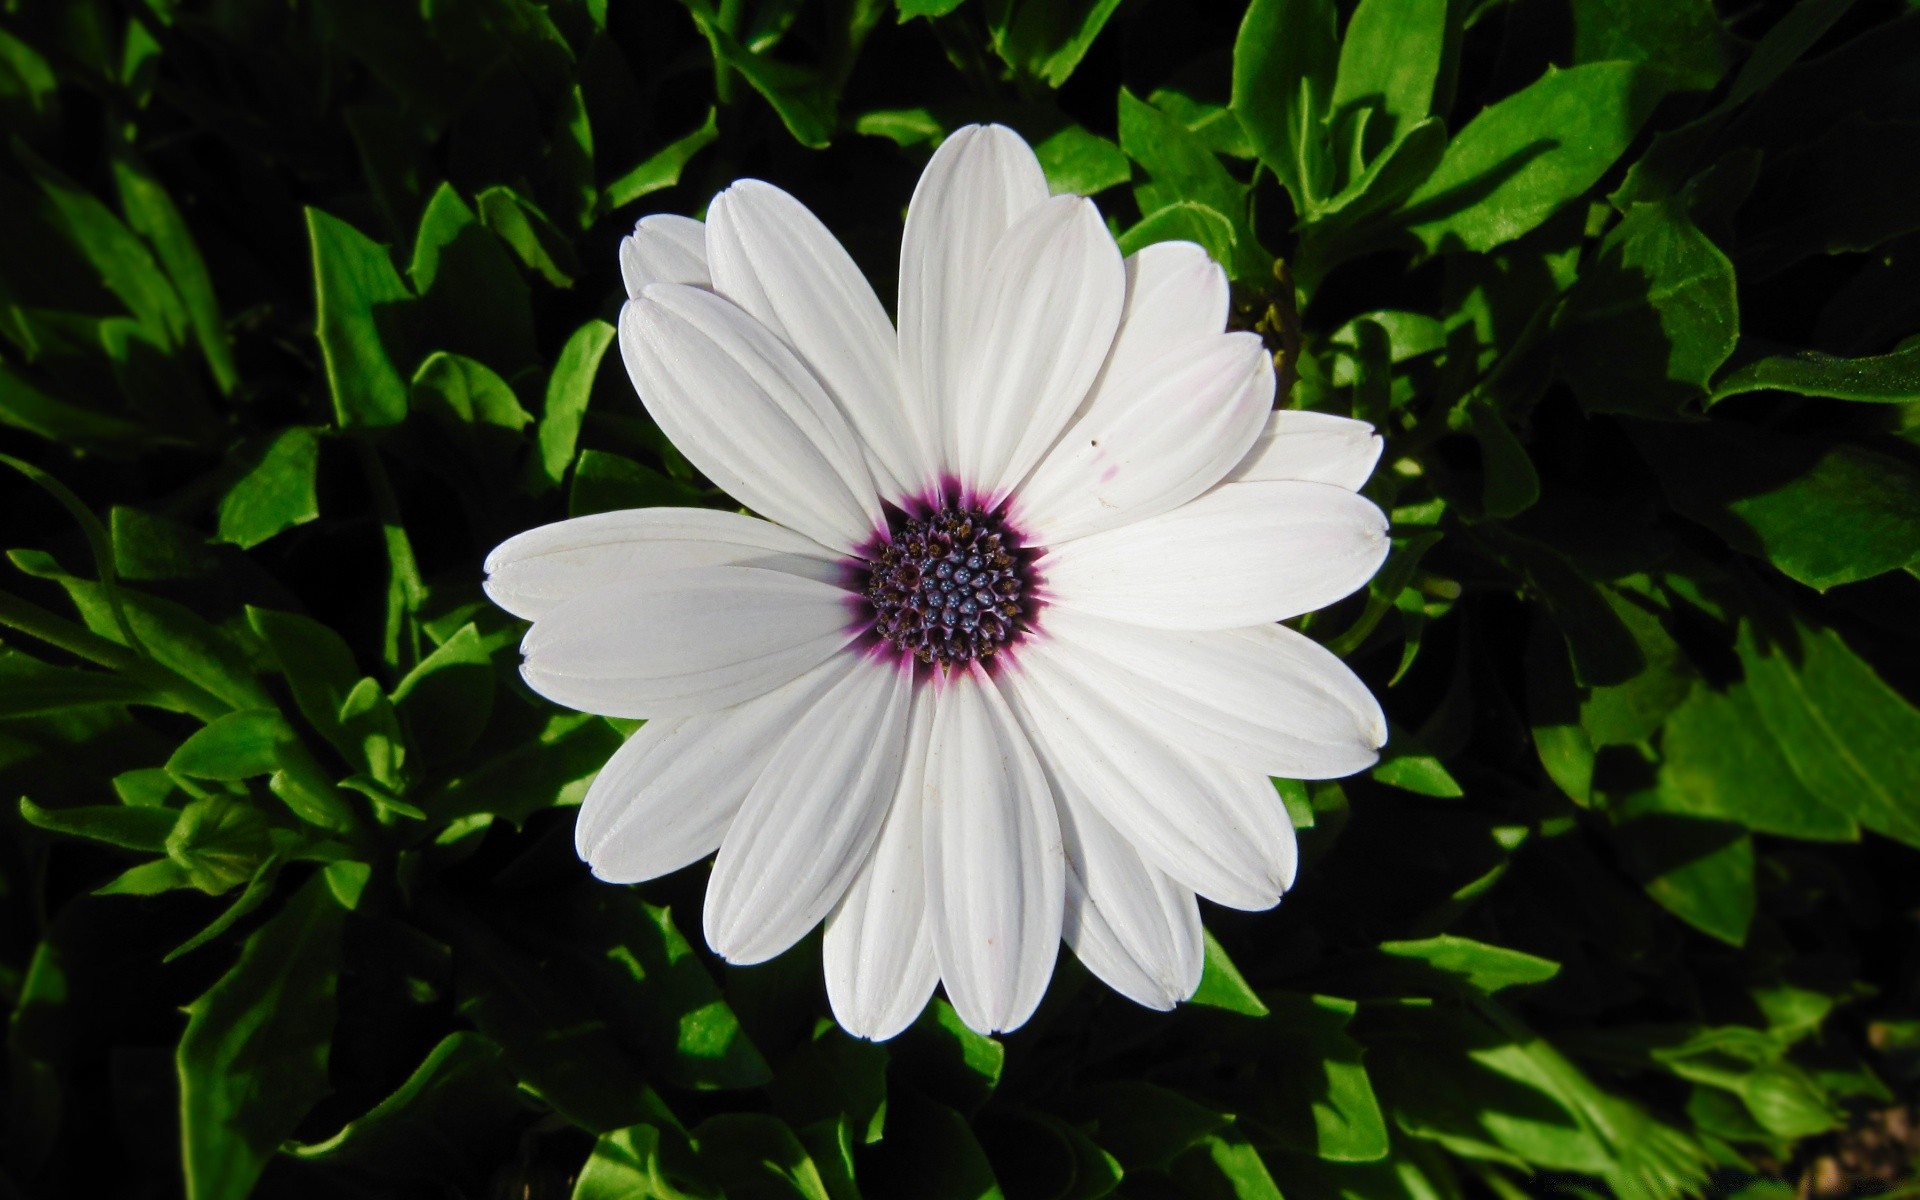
[1128,923]
[1219,830]
[1048,308]
[978,182]
[1312,447]
[878,952]
[531,572]
[667,795]
[1176,296]
[664,249]
[1242,554]
[1151,442]
[745,410]
[684,642]
[774,258]
[995,871]
[812,816]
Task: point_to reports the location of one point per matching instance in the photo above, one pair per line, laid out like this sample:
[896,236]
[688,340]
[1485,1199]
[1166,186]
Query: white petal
[811,818]
[995,869]
[1242,554]
[1315,447]
[747,412]
[1176,296]
[666,797]
[1151,442]
[774,258]
[877,951]
[979,180]
[1049,306]
[1263,697]
[1220,830]
[663,249]
[684,641]
[1128,923]
[531,572]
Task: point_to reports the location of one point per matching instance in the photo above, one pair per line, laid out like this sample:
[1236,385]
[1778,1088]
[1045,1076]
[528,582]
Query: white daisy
[1002,664]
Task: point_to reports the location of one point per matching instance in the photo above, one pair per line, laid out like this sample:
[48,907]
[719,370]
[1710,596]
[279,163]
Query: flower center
[951,587]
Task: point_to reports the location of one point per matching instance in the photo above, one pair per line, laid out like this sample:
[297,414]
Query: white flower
[1003,663]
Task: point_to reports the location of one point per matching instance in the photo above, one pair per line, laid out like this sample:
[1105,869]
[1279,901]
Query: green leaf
[756,1157]
[806,103]
[237,746]
[1046,39]
[1719,761]
[320,671]
[910,9]
[1840,192]
[1852,740]
[461,392]
[604,482]
[276,494]
[626,1165]
[1523,158]
[568,390]
[1079,162]
[1284,63]
[1824,512]
[534,774]
[219,841]
[1700,871]
[1604,650]
[152,214]
[253,1059]
[1146,1126]
[24,405]
[587,992]
[1483,968]
[1223,986]
[1631,710]
[534,240]
[116,825]
[1507,1097]
[947,1160]
[1186,221]
[835,1076]
[1682,37]
[218,664]
[258,888]
[1652,318]
[1891,378]
[443,703]
[1227,1166]
[909,127]
[147,879]
[664,167]
[29,687]
[949,1060]
[1553,714]
[473,297]
[1390,62]
[1182,169]
[1413,770]
[123,261]
[1510,482]
[442,1126]
[1319,1099]
[355,286]
[253,742]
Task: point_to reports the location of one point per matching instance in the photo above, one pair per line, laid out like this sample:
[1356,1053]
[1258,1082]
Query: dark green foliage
[306,304]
